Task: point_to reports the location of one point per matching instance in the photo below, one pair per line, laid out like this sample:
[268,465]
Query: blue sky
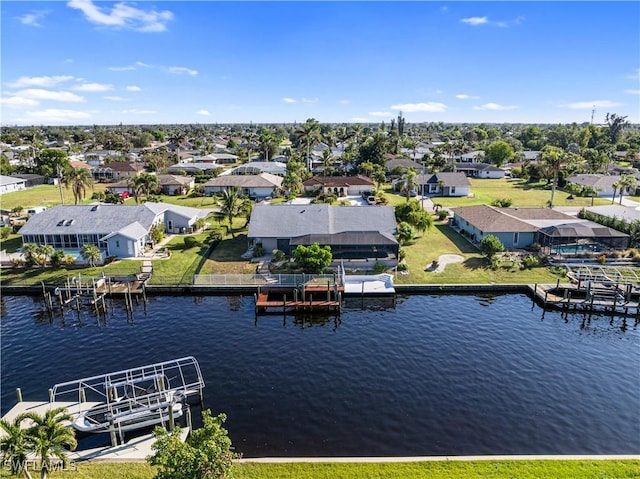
[89,62]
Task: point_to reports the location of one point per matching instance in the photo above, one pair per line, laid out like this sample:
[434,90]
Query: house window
[117,244]
[170,225]
[516,237]
[452,190]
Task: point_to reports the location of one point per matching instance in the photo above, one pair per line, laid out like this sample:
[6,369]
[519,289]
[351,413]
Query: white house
[258,186]
[10,183]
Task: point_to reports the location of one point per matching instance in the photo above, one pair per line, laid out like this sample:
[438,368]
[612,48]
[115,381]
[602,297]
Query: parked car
[371,200]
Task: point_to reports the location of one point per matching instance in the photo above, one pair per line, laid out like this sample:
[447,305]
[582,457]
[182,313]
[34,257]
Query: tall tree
[308,135]
[91,253]
[498,153]
[553,158]
[14,445]
[49,436]
[408,183]
[143,185]
[78,179]
[230,205]
[626,183]
[616,124]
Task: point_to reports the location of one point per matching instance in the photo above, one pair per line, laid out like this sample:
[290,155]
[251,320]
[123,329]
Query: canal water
[432,375]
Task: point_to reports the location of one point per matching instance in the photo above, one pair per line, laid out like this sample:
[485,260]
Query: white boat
[133,398]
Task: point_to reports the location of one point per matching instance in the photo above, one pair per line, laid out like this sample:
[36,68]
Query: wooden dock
[305,298]
[622,299]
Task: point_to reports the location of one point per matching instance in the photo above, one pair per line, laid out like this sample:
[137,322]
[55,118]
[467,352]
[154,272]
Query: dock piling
[19,394]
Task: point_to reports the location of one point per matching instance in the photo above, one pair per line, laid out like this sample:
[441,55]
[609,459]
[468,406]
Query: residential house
[407,164]
[256,167]
[117,170]
[351,232]
[602,184]
[194,169]
[339,185]
[480,170]
[31,179]
[444,184]
[475,156]
[218,159]
[254,186]
[175,184]
[118,230]
[521,227]
[11,183]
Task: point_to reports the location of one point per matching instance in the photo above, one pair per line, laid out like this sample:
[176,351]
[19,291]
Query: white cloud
[632,92]
[68,60]
[359,119]
[33,18]
[18,102]
[40,94]
[54,115]
[495,107]
[181,70]
[44,81]
[634,76]
[414,107]
[475,20]
[136,111]
[464,96]
[289,100]
[380,113]
[310,100]
[93,87]
[122,69]
[204,112]
[115,98]
[123,16]
[133,88]
[588,105]
[344,102]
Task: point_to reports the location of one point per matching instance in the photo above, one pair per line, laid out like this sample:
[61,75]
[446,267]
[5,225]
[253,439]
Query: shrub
[258,251]
[442,214]
[402,267]
[5,231]
[379,268]
[602,259]
[278,255]
[490,245]
[530,261]
[502,202]
[190,242]
[402,255]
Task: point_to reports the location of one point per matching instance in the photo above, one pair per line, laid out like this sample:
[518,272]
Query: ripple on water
[435,375]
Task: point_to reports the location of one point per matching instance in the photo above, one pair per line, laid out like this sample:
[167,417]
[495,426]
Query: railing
[264,279]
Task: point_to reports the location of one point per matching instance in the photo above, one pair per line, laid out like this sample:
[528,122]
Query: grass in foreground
[45,195]
[560,469]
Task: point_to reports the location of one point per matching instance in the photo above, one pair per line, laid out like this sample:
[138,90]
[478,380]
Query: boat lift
[132,398]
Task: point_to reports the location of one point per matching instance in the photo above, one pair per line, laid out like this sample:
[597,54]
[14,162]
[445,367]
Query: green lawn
[12,243]
[485,191]
[182,264]
[33,276]
[194,202]
[43,195]
[559,469]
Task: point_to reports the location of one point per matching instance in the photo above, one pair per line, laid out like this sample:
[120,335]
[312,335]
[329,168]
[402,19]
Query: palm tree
[408,183]
[230,205]
[14,445]
[91,253]
[626,183]
[292,182]
[78,179]
[49,435]
[308,134]
[553,157]
[143,184]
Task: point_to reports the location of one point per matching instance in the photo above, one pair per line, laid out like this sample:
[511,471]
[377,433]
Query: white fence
[263,279]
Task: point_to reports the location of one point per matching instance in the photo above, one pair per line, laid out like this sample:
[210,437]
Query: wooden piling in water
[19,394]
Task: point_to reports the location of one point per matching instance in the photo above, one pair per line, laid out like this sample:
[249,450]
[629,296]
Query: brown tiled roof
[124,166]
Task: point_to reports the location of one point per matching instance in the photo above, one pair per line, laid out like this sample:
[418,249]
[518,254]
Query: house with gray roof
[256,167]
[521,227]
[255,186]
[602,184]
[480,170]
[118,230]
[175,184]
[11,183]
[350,231]
[444,184]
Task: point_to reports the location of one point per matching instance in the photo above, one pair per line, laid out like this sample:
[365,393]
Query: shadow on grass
[461,243]
[476,263]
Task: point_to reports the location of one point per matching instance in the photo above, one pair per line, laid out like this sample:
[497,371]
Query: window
[516,237]
[453,190]
[117,244]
